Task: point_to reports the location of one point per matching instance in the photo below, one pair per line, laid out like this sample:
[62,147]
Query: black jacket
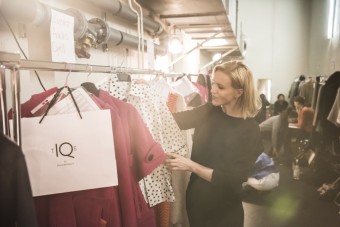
[16,201]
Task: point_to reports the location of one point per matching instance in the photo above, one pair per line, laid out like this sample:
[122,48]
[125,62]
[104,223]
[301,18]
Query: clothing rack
[12,62]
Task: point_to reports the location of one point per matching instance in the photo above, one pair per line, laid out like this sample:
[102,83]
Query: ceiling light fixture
[175,45]
[217,57]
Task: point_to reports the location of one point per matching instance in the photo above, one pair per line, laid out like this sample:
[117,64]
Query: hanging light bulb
[217,57]
[175,45]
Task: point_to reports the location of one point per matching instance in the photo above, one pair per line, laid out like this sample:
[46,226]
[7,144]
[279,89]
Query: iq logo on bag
[65,149]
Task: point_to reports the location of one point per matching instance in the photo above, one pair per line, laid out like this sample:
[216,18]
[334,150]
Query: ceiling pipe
[139,32]
[121,10]
[115,37]
[34,12]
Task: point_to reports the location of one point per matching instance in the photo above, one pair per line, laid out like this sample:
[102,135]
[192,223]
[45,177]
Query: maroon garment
[144,158]
[148,154]
[33,102]
[122,205]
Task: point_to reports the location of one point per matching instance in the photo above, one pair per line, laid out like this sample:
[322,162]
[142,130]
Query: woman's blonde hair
[241,78]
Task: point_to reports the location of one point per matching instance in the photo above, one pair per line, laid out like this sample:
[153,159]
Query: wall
[277,35]
[324,57]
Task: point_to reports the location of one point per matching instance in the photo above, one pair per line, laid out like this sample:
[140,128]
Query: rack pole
[15,79]
[3,104]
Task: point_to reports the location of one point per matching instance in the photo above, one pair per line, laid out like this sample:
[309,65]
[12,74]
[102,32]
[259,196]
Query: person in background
[226,144]
[277,127]
[295,88]
[262,114]
[305,116]
[280,104]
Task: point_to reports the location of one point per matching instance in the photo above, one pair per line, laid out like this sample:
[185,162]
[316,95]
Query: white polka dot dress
[157,186]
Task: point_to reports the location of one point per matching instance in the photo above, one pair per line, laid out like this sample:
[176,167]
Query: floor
[294,203]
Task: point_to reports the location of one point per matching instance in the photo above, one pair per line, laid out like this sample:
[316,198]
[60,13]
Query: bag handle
[54,101]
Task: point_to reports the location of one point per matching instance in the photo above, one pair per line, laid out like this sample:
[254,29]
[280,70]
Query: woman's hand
[178,162]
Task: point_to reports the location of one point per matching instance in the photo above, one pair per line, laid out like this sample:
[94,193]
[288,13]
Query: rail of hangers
[14,63]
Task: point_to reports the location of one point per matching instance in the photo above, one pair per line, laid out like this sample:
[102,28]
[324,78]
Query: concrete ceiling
[200,19]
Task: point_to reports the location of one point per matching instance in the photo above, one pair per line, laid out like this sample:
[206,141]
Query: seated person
[305,116]
[280,104]
[277,126]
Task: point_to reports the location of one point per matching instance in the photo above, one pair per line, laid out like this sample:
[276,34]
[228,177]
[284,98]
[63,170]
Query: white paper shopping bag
[65,153]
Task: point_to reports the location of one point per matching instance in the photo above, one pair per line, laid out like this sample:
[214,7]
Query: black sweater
[229,146]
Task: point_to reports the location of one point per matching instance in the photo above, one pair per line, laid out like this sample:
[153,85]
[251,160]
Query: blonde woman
[226,143]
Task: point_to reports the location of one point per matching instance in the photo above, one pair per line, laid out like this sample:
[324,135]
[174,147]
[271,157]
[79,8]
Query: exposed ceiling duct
[87,33]
[121,10]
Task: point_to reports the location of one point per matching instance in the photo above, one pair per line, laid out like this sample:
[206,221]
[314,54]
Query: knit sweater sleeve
[192,118]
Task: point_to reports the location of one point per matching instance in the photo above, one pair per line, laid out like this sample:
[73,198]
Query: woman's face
[298,106]
[281,98]
[221,90]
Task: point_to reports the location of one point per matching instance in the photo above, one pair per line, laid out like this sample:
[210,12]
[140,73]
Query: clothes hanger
[57,94]
[123,76]
[89,86]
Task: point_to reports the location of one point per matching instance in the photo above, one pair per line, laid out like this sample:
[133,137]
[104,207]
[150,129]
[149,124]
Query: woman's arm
[192,118]
[177,162]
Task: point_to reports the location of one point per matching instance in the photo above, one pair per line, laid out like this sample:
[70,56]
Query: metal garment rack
[12,62]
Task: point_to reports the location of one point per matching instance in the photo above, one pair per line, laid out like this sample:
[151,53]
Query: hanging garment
[316,120]
[145,150]
[158,119]
[118,206]
[202,91]
[16,201]
[144,155]
[306,90]
[334,114]
[293,91]
[149,157]
[188,90]
[116,88]
[180,179]
[177,211]
[330,131]
[74,208]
